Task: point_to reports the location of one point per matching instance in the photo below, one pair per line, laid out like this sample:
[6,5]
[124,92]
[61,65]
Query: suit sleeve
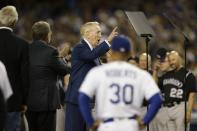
[58,64]
[25,71]
[89,55]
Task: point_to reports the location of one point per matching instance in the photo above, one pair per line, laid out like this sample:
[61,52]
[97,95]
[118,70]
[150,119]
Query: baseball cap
[121,44]
[161,54]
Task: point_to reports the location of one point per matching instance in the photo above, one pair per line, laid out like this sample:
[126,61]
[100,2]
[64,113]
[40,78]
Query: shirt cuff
[108,43]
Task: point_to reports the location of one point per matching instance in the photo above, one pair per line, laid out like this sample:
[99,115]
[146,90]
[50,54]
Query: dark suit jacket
[14,55]
[45,66]
[82,60]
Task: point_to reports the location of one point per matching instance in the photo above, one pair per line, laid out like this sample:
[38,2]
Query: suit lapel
[97,60]
[84,43]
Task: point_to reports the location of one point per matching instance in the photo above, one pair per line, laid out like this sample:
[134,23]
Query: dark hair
[40,30]
[135,58]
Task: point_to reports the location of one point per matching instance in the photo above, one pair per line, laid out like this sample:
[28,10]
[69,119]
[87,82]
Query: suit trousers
[74,120]
[41,121]
[13,121]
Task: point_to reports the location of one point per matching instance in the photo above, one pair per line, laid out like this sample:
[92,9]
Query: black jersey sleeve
[190,82]
[160,84]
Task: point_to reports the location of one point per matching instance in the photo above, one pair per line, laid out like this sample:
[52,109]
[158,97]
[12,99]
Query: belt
[121,118]
[171,104]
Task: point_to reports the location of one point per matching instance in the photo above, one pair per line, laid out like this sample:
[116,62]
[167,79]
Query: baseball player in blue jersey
[119,89]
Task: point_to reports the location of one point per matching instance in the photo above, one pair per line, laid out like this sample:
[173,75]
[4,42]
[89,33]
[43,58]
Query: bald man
[178,85]
[143,62]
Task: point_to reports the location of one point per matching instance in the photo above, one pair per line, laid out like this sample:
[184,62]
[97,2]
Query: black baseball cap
[161,54]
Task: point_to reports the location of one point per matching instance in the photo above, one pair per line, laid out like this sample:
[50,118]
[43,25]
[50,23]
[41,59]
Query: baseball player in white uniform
[4,82]
[5,93]
[119,89]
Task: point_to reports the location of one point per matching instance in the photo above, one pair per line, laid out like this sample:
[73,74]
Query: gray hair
[8,16]
[86,27]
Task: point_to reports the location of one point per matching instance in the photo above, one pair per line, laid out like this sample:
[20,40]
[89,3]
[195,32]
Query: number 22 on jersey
[176,93]
[121,93]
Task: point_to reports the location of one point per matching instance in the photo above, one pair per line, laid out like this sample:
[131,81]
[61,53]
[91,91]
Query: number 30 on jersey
[122,93]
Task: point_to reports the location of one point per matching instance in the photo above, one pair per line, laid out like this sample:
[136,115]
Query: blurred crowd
[66,17]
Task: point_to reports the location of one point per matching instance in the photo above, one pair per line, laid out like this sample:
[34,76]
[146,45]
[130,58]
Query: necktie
[97,61]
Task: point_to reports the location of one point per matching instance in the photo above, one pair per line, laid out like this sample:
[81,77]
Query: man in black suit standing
[45,66]
[14,55]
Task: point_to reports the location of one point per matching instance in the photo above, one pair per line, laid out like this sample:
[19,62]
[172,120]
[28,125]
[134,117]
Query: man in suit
[85,55]
[45,66]
[14,55]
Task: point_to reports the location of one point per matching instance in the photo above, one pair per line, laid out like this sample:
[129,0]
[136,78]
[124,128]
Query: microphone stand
[147,40]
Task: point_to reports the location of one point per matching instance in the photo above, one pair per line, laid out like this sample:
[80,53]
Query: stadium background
[66,17]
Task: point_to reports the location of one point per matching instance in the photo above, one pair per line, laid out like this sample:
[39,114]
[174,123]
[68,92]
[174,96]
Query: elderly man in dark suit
[45,66]
[85,56]
[14,55]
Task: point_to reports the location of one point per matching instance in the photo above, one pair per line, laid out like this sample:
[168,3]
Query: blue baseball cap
[121,44]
